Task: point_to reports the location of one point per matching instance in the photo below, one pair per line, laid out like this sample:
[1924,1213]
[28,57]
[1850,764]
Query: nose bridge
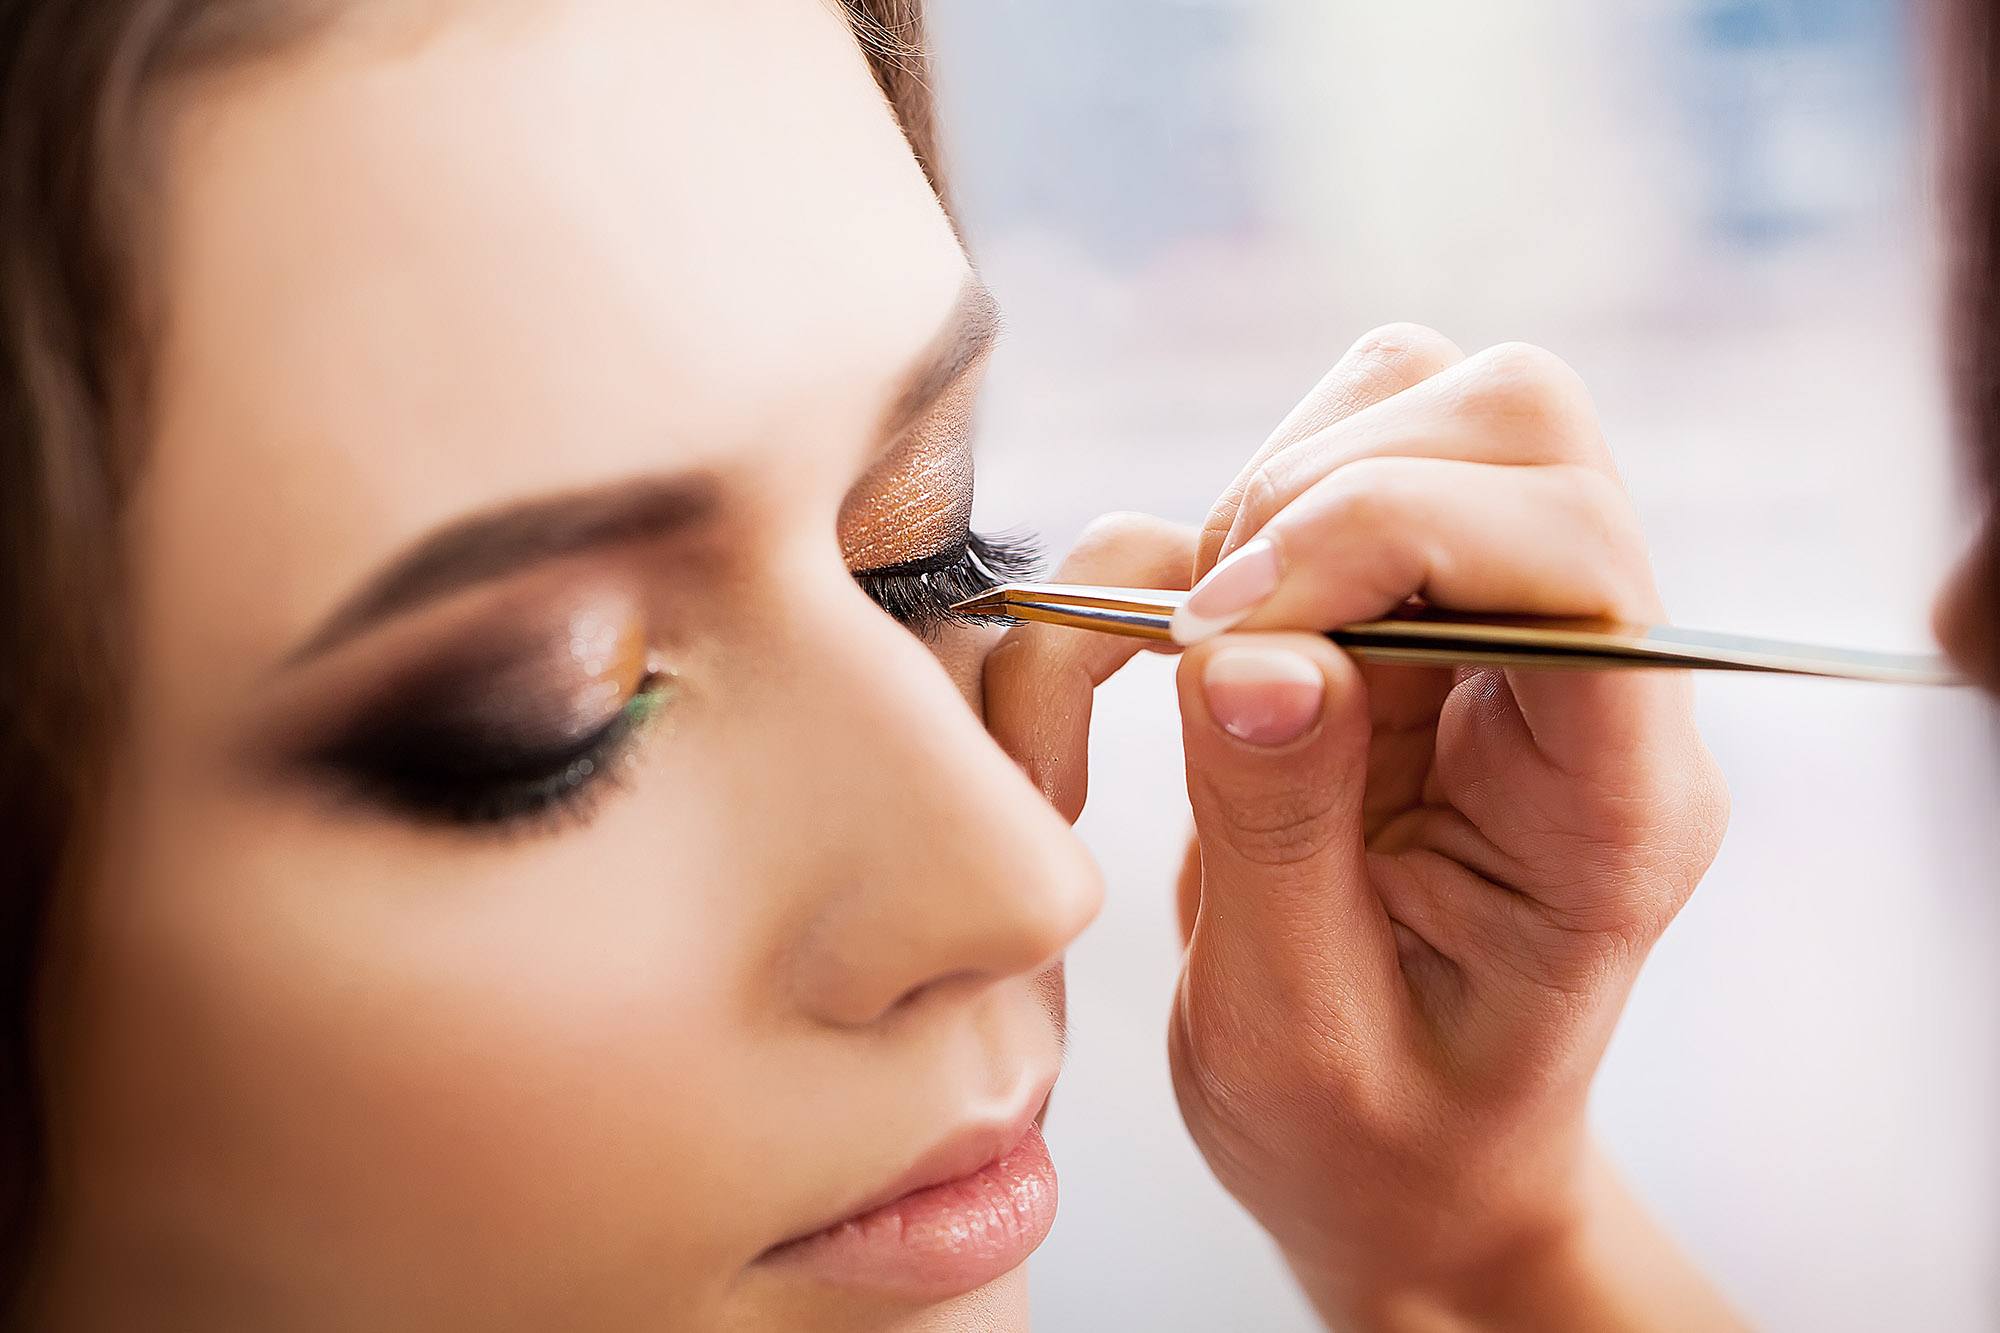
[938,860]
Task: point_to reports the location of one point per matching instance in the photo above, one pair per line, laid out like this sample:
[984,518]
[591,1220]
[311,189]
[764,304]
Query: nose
[934,866]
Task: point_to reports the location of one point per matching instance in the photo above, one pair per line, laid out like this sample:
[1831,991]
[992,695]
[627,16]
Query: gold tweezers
[1442,638]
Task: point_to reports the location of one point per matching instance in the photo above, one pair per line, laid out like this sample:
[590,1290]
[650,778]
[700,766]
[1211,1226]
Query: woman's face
[538,883]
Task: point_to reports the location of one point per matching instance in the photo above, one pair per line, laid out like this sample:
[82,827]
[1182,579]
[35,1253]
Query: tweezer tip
[991,599]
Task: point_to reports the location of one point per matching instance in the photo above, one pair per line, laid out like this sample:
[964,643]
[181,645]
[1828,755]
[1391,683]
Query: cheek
[312,1067]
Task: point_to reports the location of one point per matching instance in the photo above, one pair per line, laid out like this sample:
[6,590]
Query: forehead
[538,248]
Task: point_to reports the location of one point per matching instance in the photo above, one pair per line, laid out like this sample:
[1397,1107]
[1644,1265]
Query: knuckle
[1652,849]
[1528,383]
[1271,845]
[1223,512]
[1527,368]
[1712,809]
[1703,814]
[1401,337]
[1242,503]
[1402,353]
[1121,528]
[1599,509]
[1596,940]
[1126,544]
[1599,503]
[1258,499]
[1370,492]
[1285,827]
[1208,548]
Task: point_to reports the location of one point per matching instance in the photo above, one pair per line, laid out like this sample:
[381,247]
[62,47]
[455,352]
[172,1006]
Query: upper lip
[967,1149]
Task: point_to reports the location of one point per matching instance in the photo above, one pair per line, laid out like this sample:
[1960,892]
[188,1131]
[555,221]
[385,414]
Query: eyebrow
[493,545]
[489,546]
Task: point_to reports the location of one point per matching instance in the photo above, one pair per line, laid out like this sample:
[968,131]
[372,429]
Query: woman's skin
[548,356]
[323,1065]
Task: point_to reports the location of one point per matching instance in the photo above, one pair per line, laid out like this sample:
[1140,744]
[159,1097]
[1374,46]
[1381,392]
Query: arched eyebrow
[498,543]
[495,544]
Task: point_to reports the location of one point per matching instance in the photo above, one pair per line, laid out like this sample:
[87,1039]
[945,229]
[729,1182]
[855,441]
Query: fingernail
[1229,593]
[1263,696]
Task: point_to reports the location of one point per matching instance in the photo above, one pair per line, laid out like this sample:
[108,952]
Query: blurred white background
[1719,212]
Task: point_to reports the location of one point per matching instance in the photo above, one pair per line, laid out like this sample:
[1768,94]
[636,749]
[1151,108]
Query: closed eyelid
[483,734]
[919,491]
[530,689]
[543,650]
[918,499]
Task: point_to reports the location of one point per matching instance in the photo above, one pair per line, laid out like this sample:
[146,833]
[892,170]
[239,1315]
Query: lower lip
[941,1242]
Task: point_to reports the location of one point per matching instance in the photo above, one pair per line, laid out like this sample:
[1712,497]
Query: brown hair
[1968,55]
[72,77]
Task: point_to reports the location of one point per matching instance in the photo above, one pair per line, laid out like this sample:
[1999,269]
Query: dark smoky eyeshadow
[495,713]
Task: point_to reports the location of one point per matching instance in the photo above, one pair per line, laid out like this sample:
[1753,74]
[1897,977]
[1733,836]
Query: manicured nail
[1229,593]
[1263,696]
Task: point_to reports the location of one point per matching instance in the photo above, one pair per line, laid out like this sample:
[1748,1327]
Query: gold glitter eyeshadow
[918,500]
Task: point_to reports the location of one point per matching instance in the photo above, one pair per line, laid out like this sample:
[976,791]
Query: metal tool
[1430,637]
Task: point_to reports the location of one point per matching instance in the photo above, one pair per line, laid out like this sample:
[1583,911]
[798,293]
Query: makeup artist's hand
[1417,898]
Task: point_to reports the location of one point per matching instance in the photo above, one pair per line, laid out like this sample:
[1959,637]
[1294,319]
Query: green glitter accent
[644,706]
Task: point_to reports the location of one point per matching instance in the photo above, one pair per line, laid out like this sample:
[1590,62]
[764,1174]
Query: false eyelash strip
[921,593]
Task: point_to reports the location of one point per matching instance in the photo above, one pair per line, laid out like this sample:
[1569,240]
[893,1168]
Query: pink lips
[953,1231]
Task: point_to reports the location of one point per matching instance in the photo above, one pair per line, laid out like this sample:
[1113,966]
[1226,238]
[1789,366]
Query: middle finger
[1511,404]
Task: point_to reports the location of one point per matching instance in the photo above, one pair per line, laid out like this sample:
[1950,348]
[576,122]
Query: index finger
[1381,365]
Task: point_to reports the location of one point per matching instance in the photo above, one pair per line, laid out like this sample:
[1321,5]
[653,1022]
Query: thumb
[1276,732]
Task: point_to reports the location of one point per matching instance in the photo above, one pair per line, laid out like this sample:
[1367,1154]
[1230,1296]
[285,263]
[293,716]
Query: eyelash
[921,593]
